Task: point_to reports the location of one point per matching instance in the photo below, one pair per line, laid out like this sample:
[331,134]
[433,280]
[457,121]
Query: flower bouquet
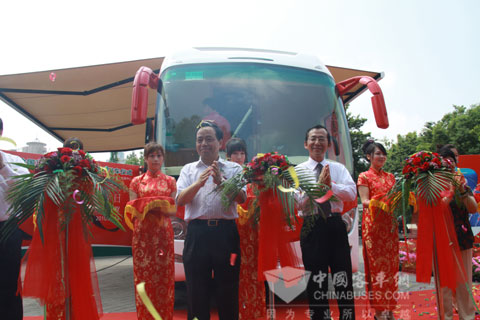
[426,176]
[275,183]
[273,172]
[63,193]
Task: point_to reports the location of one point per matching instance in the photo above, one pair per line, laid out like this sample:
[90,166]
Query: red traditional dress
[380,243]
[251,292]
[152,248]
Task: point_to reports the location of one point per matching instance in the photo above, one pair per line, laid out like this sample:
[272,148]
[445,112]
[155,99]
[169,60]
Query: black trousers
[208,247]
[326,245]
[11,307]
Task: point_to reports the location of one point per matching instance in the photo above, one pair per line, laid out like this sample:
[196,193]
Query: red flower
[84,163]
[81,152]
[65,159]
[78,170]
[50,154]
[66,151]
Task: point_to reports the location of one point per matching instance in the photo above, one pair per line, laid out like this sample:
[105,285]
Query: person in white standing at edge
[11,307]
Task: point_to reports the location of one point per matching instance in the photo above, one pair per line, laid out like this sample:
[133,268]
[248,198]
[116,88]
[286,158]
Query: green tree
[460,127]
[358,138]
[399,151]
[132,158]
[113,157]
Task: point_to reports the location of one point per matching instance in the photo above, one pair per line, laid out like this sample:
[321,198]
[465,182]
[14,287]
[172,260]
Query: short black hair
[445,151]
[368,148]
[236,144]
[1,125]
[73,143]
[318,126]
[213,125]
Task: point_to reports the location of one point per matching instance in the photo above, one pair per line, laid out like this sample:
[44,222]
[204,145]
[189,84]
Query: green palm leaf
[431,184]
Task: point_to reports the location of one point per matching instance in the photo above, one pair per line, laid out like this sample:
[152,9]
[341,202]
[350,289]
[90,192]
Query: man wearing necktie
[212,247]
[324,240]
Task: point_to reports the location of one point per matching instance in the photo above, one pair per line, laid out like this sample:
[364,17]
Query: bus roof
[93,102]
[225,55]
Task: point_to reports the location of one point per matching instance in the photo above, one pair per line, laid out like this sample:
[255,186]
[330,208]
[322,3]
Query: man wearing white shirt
[324,241]
[10,250]
[212,244]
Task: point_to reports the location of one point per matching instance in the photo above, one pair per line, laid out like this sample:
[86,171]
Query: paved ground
[116,286]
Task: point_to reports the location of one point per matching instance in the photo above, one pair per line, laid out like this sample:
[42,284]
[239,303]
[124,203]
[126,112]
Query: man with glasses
[212,247]
[324,239]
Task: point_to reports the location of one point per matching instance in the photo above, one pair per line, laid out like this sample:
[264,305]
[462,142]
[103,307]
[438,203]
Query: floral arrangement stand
[275,183]
[64,192]
[431,181]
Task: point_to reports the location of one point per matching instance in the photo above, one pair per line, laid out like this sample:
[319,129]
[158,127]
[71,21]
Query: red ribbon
[273,242]
[435,225]
[45,260]
[325,197]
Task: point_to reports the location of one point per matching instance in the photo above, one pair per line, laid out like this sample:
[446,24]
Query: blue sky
[427,49]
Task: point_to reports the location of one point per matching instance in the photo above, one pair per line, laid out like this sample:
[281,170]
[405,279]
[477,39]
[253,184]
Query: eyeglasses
[319,139]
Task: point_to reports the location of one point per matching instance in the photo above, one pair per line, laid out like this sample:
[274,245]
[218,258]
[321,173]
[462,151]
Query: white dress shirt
[6,173]
[343,186]
[207,204]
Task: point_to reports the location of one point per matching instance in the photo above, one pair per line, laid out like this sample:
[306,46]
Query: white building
[35,147]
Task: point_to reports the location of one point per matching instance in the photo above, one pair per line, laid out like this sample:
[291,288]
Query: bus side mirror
[378,102]
[143,78]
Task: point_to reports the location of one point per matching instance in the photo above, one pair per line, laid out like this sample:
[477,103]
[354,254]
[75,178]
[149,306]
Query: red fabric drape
[273,242]
[55,271]
[435,226]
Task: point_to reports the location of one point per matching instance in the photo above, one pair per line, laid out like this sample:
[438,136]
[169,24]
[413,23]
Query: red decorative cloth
[152,244]
[436,232]
[61,267]
[380,241]
[251,293]
[274,245]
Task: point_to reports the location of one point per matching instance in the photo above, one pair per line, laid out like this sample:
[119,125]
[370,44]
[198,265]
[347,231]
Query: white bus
[268,98]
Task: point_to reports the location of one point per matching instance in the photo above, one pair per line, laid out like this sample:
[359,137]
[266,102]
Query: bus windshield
[269,106]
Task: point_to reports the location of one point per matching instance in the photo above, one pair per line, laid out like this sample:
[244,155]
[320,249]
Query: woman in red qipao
[152,242]
[379,233]
[251,292]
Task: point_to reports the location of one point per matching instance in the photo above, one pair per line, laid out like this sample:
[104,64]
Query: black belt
[329,215]
[334,214]
[212,222]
